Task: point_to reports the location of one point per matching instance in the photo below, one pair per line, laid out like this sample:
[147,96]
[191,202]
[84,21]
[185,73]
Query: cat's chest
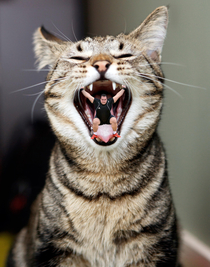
[98,221]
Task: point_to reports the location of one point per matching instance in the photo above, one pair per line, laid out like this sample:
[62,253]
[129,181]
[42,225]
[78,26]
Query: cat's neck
[109,176]
[107,161]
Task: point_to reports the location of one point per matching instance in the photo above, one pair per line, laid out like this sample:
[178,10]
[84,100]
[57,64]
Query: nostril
[96,66]
[107,65]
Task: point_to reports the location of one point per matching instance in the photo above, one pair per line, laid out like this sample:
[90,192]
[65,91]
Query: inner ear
[154,55]
[49,36]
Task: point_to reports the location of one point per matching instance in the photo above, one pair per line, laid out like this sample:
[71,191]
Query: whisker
[126,83]
[172,81]
[146,87]
[31,86]
[79,86]
[172,63]
[36,70]
[28,87]
[163,63]
[62,34]
[184,84]
[32,94]
[33,107]
[143,84]
[72,27]
[170,88]
[125,27]
[58,81]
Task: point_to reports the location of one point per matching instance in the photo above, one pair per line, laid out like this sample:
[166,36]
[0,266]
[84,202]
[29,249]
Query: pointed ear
[47,47]
[151,33]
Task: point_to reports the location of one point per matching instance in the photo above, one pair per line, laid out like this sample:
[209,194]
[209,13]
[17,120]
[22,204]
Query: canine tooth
[91,87]
[114,85]
[123,86]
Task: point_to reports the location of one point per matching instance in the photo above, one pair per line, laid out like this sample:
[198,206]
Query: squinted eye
[79,58]
[124,56]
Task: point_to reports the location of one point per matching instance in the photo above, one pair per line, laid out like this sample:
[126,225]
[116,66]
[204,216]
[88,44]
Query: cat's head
[132,60]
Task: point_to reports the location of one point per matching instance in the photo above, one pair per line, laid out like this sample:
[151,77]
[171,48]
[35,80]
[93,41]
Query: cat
[104,204]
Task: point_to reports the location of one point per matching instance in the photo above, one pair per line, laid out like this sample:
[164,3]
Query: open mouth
[87,111]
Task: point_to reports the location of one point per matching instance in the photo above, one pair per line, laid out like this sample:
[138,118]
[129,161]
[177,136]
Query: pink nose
[101,65]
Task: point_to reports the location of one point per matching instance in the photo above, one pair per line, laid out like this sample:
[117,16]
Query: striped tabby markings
[81,186]
[52,95]
[61,233]
[51,72]
[158,94]
[157,77]
[144,114]
[76,190]
[141,201]
[49,93]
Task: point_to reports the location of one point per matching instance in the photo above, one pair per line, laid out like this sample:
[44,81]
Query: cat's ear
[151,33]
[47,47]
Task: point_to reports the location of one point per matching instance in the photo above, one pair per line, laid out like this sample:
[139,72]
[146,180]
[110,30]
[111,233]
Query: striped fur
[102,205]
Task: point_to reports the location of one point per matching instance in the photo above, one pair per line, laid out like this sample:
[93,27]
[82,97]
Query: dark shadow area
[23,173]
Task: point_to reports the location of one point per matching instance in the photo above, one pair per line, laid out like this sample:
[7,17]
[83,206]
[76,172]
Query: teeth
[114,85]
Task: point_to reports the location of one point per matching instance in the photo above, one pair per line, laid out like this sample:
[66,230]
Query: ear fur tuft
[47,47]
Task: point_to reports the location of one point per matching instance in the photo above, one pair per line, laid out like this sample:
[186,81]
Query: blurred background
[25,137]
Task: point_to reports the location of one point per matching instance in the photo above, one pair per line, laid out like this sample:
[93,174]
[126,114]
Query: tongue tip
[105,132]
[105,140]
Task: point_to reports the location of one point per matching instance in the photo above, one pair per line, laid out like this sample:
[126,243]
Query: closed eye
[124,56]
[79,58]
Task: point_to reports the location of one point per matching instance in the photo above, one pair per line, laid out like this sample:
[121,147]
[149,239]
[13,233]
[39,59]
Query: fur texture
[103,205]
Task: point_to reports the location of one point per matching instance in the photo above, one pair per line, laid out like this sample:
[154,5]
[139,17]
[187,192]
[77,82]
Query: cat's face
[133,61]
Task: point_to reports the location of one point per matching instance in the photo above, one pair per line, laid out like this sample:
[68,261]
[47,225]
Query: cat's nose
[102,65]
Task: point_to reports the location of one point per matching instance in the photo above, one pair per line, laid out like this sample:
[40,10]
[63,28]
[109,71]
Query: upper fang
[91,87]
[114,85]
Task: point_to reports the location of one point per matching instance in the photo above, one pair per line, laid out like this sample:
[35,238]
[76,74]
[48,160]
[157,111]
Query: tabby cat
[103,204]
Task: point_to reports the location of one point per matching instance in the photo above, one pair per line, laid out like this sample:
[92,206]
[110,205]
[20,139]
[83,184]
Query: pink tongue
[105,132]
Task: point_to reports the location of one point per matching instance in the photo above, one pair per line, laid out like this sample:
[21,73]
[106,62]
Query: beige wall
[185,124]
